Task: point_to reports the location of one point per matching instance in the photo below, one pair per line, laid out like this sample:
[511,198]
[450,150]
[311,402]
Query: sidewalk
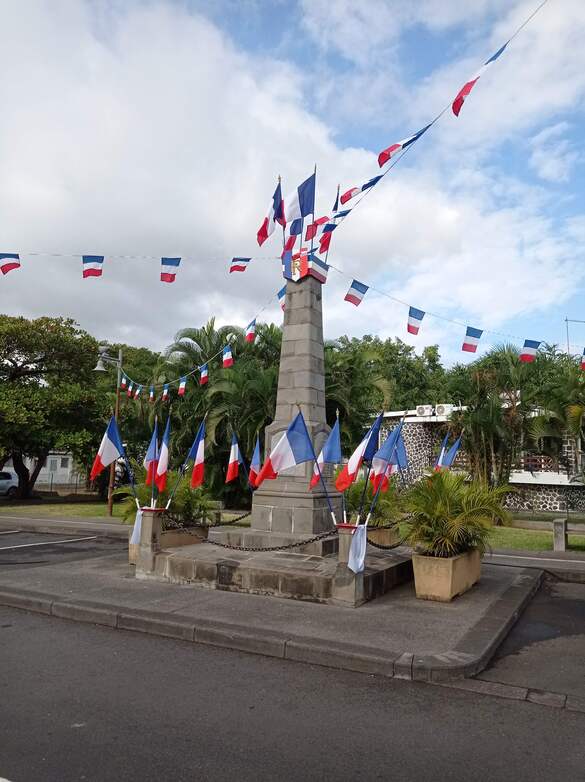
[72,525]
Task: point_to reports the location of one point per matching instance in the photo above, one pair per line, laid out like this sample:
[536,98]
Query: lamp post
[99,367]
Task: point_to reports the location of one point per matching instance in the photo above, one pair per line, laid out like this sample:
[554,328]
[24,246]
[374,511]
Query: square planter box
[442,578]
[384,537]
[172,539]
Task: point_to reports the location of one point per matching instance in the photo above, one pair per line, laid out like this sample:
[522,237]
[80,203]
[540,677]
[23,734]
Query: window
[52,465]
[64,462]
[5,476]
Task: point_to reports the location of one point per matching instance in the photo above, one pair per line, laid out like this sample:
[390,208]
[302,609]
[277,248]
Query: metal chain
[284,547]
[386,548]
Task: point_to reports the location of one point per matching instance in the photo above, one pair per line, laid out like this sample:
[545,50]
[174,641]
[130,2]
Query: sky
[137,129]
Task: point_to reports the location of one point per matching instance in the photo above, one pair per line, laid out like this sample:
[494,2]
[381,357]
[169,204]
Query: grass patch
[58,510]
[529,540]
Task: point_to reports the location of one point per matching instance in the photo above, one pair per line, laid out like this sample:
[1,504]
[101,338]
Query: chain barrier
[284,547]
[386,548]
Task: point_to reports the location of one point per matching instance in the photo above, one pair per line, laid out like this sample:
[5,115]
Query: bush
[388,506]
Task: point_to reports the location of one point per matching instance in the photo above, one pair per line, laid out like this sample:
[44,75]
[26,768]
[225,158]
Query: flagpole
[152,500]
[334,219]
[377,494]
[182,471]
[318,468]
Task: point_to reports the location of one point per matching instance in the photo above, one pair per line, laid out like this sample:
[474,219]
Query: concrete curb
[470,656]
[105,529]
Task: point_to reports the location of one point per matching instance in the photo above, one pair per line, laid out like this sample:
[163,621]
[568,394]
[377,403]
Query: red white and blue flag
[163,459]
[282,297]
[349,194]
[317,268]
[528,352]
[197,453]
[330,454]
[129,390]
[168,270]
[251,331]
[123,382]
[239,264]
[357,291]
[314,229]
[182,384]
[583,361]
[8,262]
[204,374]
[165,393]
[235,459]
[414,320]
[393,149]
[227,357]
[471,341]
[137,392]
[391,454]
[469,85]
[255,464]
[151,394]
[275,215]
[294,447]
[92,265]
[364,452]
[151,459]
[298,205]
[326,237]
[110,449]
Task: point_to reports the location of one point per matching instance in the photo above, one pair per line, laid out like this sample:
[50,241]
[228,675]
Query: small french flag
[239,264]
[469,85]
[123,382]
[390,151]
[9,261]
[326,237]
[528,352]
[151,394]
[282,297]
[129,390]
[168,270]
[92,265]
[357,291]
[204,370]
[251,331]
[165,393]
[583,361]
[349,194]
[414,320]
[227,358]
[472,337]
[313,228]
[182,384]
[137,392]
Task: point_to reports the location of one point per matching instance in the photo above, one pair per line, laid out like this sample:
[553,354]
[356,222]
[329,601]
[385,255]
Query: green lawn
[530,540]
[53,509]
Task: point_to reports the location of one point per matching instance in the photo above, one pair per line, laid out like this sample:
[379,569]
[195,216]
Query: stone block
[348,587]
[180,570]
[282,520]
[264,582]
[40,604]
[339,656]
[83,612]
[154,625]
[310,587]
[257,642]
[206,571]
[231,576]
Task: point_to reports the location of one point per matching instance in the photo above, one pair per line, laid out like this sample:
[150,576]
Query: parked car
[8,484]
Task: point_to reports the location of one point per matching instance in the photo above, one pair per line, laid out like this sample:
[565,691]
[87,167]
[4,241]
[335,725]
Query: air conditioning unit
[424,410]
[444,409]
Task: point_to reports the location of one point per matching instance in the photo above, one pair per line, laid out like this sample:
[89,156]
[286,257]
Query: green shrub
[388,506]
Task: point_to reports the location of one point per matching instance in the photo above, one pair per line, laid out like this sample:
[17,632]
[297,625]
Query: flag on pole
[92,265]
[450,455]
[414,320]
[326,237]
[357,291]
[398,459]
[182,385]
[151,458]
[472,337]
[336,204]
[251,331]
[364,452]
[384,457]
[9,261]
[110,449]
[163,459]
[227,357]
[349,194]
[255,464]
[151,394]
[313,229]
[197,453]
[165,393]
[330,454]
[137,392]
[393,149]
[239,264]
[235,459]
[298,205]
[528,352]
[282,297]
[204,374]
[169,267]
[129,390]
[274,215]
[294,447]
[441,457]
[469,85]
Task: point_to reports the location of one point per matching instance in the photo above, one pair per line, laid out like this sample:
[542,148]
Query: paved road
[35,549]
[79,702]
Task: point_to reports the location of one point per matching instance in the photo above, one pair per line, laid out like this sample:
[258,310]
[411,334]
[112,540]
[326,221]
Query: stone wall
[422,441]
[531,497]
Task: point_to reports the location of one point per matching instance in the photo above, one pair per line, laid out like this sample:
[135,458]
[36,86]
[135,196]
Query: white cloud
[553,157]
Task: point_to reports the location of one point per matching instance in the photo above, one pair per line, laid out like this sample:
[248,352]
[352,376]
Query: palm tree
[195,346]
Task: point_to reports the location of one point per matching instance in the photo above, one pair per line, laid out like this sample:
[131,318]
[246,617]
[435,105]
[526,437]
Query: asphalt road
[79,702]
[24,548]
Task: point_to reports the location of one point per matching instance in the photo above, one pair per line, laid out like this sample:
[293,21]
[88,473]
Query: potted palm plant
[448,526]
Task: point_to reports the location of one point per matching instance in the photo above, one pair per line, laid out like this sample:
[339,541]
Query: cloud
[553,157]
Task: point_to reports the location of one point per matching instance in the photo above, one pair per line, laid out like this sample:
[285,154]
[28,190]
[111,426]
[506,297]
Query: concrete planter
[172,539]
[442,578]
[383,537]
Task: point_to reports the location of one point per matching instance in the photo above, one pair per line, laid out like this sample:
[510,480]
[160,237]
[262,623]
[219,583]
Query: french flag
[165,393]
[92,265]
[234,462]
[472,337]
[239,264]
[197,453]
[151,394]
[317,268]
[110,449]
[227,357]
[449,457]
[129,390]
[298,205]
[441,457]
[163,459]
[469,85]
[583,361]
[364,452]
[392,452]
[315,228]
[123,382]
[168,270]
[326,237]
[282,297]
[294,447]
[255,464]
[393,149]
[330,454]
[204,374]
[528,352]
[251,331]
[182,384]
[9,261]
[275,215]
[151,458]
[349,194]
[137,392]
[414,320]
[357,291]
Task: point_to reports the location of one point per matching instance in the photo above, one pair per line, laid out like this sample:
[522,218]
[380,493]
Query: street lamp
[103,359]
